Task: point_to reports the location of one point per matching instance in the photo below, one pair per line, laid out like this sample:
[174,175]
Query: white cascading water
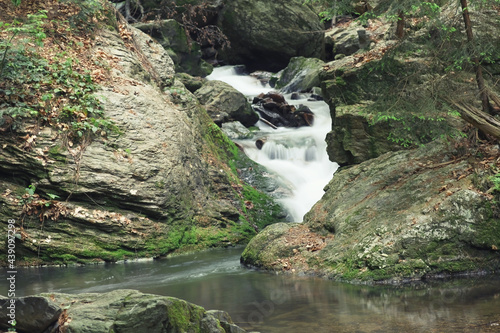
[297,155]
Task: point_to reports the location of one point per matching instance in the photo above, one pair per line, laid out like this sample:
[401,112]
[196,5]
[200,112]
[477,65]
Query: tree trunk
[477,66]
[400,27]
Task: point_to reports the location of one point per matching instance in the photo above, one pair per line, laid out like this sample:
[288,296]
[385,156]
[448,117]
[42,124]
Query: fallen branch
[495,99]
[268,123]
[478,118]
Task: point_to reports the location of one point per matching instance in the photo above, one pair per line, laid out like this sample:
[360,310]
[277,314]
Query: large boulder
[225,104]
[347,40]
[185,53]
[117,311]
[33,314]
[266,34]
[375,111]
[354,138]
[402,216]
[167,180]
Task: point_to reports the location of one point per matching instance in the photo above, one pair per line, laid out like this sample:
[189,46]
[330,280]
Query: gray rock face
[33,314]
[347,41]
[226,104]
[265,34]
[186,54]
[128,171]
[354,139]
[235,130]
[404,215]
[301,74]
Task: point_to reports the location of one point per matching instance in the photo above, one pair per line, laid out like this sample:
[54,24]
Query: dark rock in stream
[124,311]
[33,314]
[273,108]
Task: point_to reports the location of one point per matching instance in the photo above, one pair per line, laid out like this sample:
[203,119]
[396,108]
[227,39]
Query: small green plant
[52,196]
[495,179]
[32,29]
[33,204]
[56,94]
[29,195]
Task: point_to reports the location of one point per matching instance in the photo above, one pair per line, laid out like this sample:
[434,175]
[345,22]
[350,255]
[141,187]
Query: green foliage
[28,197]
[331,8]
[410,82]
[52,92]
[90,14]
[495,179]
[32,29]
[410,130]
[31,198]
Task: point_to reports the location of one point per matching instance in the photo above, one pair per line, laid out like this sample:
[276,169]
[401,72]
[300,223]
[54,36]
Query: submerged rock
[273,108]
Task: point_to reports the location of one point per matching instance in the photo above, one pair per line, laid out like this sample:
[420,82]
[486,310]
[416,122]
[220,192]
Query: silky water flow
[297,156]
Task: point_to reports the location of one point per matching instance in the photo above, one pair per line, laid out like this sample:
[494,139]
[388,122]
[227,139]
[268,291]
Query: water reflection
[270,303]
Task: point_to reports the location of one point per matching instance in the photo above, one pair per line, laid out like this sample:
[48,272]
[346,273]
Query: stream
[269,303]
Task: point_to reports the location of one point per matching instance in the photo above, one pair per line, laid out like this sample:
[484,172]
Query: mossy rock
[391,218]
[301,74]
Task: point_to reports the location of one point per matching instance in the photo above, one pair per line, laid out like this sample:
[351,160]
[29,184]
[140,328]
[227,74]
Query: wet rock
[300,75]
[130,311]
[235,130]
[259,143]
[33,314]
[226,104]
[273,108]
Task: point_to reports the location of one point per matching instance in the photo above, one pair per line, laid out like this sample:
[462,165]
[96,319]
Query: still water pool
[271,303]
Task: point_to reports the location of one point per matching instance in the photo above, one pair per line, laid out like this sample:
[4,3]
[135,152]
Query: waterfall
[297,155]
